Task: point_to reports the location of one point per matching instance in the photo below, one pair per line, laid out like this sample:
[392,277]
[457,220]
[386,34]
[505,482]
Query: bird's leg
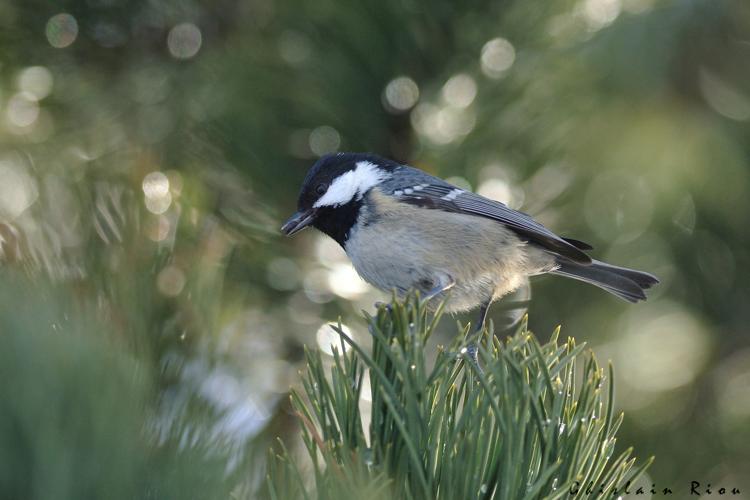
[472,349]
[483,309]
[380,304]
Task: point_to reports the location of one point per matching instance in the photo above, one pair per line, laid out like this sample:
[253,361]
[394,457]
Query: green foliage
[529,425]
[77,409]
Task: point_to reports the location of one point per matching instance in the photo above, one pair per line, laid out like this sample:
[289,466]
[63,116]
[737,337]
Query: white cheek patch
[353,183]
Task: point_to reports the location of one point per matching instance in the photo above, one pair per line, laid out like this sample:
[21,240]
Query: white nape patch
[453,194]
[352,183]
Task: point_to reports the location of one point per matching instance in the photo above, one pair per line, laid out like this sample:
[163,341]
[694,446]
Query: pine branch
[523,428]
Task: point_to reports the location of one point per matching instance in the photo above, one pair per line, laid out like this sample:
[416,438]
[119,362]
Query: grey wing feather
[424,190]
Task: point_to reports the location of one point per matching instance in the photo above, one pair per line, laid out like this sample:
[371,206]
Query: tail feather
[628,284]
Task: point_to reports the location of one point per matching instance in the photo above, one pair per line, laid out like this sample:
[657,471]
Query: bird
[404,229]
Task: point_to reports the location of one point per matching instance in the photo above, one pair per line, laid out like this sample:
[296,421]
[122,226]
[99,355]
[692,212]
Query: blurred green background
[152,318]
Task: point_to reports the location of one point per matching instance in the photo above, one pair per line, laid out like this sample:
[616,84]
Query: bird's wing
[440,195]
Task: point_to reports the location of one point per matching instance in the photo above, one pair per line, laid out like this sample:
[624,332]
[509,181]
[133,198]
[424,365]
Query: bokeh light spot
[495,189]
[600,13]
[400,95]
[156,188]
[460,90]
[324,139]
[722,97]
[442,125]
[345,282]
[37,81]
[62,30]
[283,274]
[618,207]
[18,190]
[170,281]
[497,56]
[159,205]
[732,382]
[316,286]
[22,109]
[158,228]
[155,184]
[184,40]
[328,338]
[662,352]
[328,252]
[497,182]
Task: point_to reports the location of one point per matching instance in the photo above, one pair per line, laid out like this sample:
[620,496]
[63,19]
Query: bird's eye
[320,189]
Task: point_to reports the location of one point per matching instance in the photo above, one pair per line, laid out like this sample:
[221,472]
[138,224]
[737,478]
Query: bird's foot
[472,351]
[384,305]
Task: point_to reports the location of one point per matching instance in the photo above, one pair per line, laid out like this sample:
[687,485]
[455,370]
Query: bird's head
[333,192]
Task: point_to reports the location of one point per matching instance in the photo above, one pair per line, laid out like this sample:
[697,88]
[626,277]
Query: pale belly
[406,249]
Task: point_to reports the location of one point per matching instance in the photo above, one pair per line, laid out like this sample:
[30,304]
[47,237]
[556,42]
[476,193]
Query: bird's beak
[298,222]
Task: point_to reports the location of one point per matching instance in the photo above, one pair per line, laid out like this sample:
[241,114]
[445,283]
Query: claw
[473,351]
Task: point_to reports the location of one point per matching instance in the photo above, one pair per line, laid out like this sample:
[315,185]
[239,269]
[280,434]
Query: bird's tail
[627,284]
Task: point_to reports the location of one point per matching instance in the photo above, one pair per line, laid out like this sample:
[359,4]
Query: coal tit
[404,229]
